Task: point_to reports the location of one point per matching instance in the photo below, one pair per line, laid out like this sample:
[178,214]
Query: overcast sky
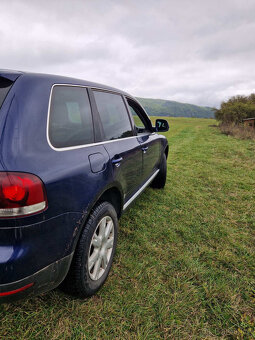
[199,51]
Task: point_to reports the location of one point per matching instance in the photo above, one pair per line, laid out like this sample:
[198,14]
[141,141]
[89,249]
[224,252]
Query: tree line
[169,108]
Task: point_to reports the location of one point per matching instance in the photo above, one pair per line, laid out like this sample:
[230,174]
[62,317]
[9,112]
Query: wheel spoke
[92,259]
[108,229]
[109,243]
[97,268]
[104,261]
[102,226]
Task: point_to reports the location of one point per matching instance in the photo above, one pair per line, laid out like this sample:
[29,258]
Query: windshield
[5,85]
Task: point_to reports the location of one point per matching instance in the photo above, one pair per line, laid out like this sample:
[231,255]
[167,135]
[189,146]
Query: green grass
[185,263]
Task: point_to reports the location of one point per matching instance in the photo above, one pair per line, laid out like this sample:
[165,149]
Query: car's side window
[139,121]
[113,115]
[70,121]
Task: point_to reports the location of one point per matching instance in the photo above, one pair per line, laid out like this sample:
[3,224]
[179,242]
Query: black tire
[160,180]
[78,280]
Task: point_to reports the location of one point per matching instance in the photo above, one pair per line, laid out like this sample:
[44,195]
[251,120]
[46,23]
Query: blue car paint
[74,179]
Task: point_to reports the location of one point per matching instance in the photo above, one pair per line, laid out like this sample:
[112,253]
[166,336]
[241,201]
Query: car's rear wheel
[160,180]
[93,257]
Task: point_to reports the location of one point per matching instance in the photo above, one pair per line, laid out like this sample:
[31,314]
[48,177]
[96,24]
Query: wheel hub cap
[101,248]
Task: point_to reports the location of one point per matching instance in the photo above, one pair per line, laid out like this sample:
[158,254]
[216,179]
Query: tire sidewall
[104,209]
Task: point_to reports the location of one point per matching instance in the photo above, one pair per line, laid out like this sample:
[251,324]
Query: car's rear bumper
[27,249]
[35,258]
[39,282]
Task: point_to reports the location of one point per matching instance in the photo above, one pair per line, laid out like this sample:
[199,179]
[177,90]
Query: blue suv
[73,156]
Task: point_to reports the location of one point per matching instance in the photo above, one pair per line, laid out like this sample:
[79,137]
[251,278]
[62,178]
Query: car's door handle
[145,148]
[117,160]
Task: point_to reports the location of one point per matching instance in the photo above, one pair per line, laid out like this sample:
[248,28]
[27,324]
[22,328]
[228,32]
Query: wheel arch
[113,195]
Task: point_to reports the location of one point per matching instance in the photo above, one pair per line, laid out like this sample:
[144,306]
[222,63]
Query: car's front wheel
[93,257]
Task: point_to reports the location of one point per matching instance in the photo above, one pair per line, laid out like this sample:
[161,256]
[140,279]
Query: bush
[236,109]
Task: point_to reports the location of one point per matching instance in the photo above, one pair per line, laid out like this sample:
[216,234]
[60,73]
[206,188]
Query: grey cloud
[192,51]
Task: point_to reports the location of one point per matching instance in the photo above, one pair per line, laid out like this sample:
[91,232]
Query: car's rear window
[5,85]
[70,121]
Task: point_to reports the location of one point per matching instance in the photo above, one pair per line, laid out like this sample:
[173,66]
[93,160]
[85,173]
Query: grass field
[185,263]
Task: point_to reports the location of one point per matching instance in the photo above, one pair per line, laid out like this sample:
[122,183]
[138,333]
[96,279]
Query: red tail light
[21,194]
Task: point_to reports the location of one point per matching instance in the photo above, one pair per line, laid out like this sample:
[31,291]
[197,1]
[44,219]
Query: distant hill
[161,107]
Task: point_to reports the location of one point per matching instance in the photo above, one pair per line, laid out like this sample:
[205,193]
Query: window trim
[48,119]
[93,118]
[145,119]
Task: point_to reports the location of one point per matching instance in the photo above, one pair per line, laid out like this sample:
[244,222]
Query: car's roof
[57,79]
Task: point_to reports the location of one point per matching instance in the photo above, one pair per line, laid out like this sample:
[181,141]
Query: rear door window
[113,115]
[5,85]
[70,121]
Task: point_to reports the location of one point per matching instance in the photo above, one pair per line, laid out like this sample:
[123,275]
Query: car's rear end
[36,242]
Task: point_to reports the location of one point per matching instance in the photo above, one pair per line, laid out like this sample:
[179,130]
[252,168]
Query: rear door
[119,140]
[149,141]
[76,168]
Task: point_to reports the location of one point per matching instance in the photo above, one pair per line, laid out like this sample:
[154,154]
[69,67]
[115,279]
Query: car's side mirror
[161,125]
